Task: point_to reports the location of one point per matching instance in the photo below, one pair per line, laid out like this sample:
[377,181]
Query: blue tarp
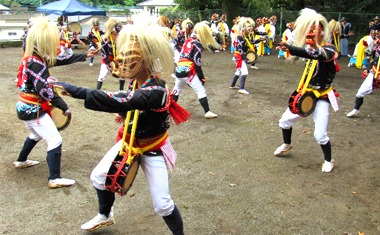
[69,8]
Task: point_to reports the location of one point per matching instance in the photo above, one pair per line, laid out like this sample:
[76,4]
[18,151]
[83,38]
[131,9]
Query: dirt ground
[226,181]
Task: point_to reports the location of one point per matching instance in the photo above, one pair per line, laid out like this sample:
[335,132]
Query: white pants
[194,83]
[44,128]
[321,120]
[366,87]
[156,175]
[243,70]
[103,72]
[176,56]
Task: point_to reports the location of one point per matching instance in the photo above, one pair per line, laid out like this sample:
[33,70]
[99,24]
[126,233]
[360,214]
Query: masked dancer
[214,21]
[371,74]
[108,51]
[243,45]
[334,28]
[36,96]
[312,42]
[223,31]
[145,56]
[95,38]
[363,51]
[181,36]
[234,32]
[287,36]
[189,70]
[65,43]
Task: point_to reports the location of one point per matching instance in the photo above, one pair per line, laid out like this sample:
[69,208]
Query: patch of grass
[14,43]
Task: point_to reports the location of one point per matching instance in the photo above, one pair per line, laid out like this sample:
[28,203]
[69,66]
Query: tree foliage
[236,6]
[36,3]
[355,6]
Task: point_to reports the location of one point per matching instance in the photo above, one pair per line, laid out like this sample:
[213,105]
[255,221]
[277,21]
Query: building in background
[154,6]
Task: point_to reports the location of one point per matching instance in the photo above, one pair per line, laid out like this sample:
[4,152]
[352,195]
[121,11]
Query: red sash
[36,100]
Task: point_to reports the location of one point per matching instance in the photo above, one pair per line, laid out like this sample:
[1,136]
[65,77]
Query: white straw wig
[43,37]
[111,25]
[334,26]
[306,19]
[243,21]
[187,27]
[187,23]
[145,45]
[204,34]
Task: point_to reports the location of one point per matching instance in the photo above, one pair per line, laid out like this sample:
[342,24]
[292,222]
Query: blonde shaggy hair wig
[110,26]
[43,37]
[144,45]
[184,25]
[306,19]
[334,26]
[243,21]
[204,34]
[163,21]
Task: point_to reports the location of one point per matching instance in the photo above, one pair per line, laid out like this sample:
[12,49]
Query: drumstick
[99,48]
[61,90]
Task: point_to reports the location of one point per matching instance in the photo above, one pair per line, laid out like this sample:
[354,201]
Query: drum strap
[223,31]
[113,46]
[307,75]
[130,147]
[261,48]
[375,70]
[249,44]
[66,36]
[97,35]
[336,41]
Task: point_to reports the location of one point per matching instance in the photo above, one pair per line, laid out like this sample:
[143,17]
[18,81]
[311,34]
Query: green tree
[35,3]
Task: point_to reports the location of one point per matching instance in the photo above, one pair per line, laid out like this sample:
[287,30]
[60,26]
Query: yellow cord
[303,75]
[126,125]
[249,44]
[304,84]
[377,68]
[97,35]
[113,47]
[310,74]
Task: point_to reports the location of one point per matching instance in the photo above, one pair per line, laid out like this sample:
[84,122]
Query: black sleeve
[122,102]
[199,71]
[298,51]
[323,53]
[73,59]
[58,102]
[116,102]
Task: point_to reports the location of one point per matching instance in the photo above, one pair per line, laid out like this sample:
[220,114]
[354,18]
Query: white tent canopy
[3,8]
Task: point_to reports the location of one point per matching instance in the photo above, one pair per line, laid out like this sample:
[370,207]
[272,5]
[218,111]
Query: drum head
[75,27]
[251,57]
[120,176]
[306,104]
[60,120]
[131,171]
